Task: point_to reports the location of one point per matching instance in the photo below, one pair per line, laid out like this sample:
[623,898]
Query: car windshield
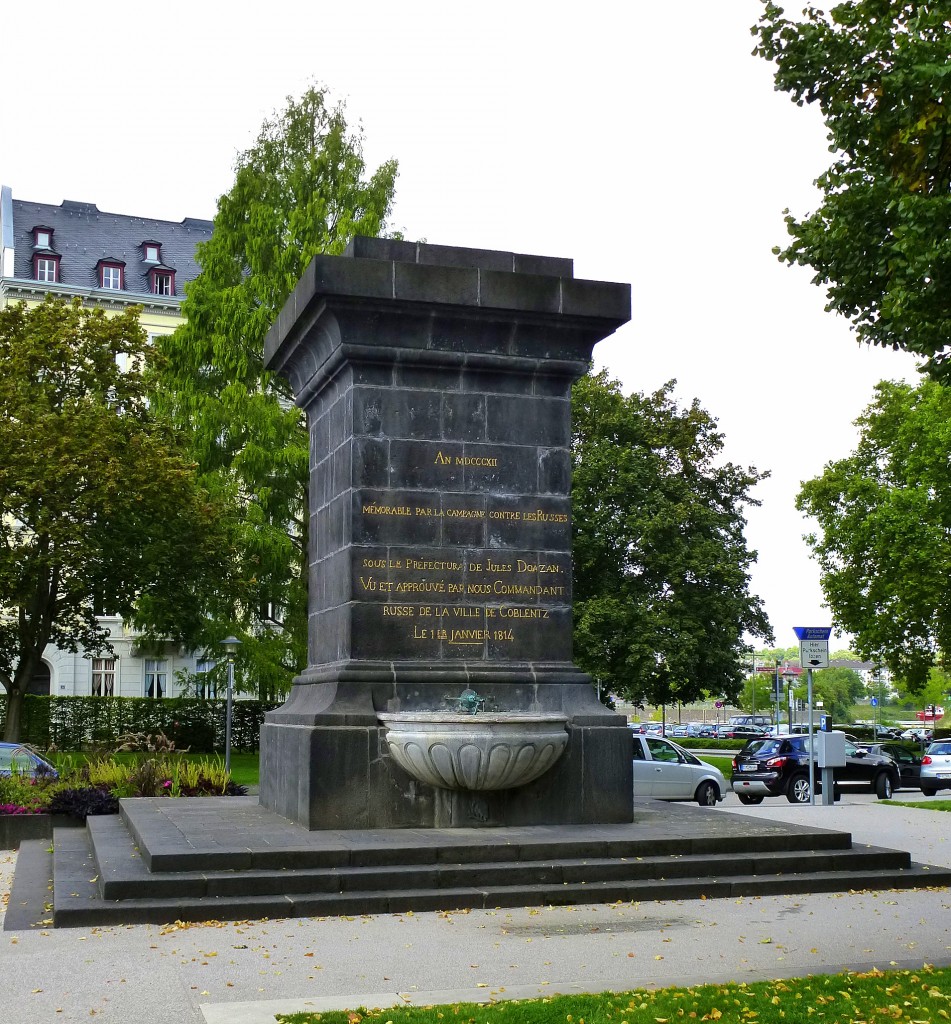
[15,758]
[940,748]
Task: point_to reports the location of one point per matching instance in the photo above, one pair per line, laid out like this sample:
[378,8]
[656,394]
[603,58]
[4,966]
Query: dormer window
[42,238]
[46,267]
[162,282]
[111,274]
[151,252]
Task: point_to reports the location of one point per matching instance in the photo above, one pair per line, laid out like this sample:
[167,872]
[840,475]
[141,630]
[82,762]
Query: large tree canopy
[883,542]
[300,190]
[97,505]
[661,581]
[881,238]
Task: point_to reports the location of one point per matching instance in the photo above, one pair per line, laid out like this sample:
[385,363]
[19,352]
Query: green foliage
[96,785]
[76,723]
[838,689]
[756,694]
[18,790]
[883,541]
[300,190]
[881,238]
[907,995]
[661,583]
[97,503]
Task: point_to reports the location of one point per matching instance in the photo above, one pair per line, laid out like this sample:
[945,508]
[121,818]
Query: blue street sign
[813,632]
[874,702]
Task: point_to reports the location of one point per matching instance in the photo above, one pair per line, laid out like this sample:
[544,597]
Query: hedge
[73,723]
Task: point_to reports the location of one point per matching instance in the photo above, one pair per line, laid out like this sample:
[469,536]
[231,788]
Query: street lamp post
[231,645]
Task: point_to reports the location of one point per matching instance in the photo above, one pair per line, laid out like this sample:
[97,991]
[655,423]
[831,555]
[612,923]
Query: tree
[299,190]
[97,505]
[936,690]
[883,541]
[881,238]
[661,584]
[756,694]
[838,689]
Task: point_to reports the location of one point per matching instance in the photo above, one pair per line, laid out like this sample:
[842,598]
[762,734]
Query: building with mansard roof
[112,261]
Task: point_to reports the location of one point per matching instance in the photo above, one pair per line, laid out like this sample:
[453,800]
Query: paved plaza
[244,972]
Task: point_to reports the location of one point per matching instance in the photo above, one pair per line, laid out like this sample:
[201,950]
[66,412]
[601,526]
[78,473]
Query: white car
[935,768]
[665,771]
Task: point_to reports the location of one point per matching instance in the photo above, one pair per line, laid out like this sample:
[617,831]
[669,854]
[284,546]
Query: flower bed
[92,787]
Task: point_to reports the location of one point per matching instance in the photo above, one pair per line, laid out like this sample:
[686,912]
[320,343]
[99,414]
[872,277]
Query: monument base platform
[227,858]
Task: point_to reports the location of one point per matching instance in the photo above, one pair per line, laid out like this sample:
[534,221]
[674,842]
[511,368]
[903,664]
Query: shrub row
[76,723]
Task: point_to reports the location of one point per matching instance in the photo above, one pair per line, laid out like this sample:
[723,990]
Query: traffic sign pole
[813,653]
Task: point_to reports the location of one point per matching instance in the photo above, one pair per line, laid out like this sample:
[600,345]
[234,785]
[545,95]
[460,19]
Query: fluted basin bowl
[475,752]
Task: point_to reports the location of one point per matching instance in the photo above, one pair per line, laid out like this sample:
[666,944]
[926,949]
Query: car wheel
[797,792]
[746,798]
[707,794]
[928,792]
[883,786]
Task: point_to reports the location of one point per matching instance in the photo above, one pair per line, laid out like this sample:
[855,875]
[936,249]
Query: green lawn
[725,764]
[923,805]
[895,996]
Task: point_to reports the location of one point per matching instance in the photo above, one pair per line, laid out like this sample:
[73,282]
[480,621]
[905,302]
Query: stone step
[123,874]
[88,909]
[31,895]
[236,834]
[100,878]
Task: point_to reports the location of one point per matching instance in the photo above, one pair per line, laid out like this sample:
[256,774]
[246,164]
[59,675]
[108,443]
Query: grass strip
[921,805]
[916,997]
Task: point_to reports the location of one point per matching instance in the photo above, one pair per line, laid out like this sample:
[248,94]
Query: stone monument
[437,385]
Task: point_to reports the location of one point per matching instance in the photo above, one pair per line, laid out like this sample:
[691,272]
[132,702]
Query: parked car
[761,722]
[883,733]
[905,756]
[779,766]
[918,735]
[665,771]
[15,758]
[743,732]
[935,770]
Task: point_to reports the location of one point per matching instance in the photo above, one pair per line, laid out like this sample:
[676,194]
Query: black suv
[779,766]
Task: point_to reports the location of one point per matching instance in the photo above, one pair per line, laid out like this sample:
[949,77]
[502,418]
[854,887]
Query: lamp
[231,645]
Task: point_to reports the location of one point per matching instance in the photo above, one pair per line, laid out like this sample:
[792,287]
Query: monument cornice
[517,315]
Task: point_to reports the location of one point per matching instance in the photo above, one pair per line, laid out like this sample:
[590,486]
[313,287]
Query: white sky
[641,139]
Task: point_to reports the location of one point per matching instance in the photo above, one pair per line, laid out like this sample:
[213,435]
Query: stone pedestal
[437,385]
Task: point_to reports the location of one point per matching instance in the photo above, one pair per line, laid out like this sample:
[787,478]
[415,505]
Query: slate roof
[83,235]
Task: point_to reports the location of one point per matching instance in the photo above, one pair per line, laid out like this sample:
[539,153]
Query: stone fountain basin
[485,751]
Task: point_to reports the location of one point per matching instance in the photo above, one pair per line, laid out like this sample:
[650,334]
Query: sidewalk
[245,972]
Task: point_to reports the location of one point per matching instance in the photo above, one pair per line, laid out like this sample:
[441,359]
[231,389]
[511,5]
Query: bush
[81,723]
[80,803]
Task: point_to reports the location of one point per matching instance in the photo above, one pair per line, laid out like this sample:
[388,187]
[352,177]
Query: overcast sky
[640,139]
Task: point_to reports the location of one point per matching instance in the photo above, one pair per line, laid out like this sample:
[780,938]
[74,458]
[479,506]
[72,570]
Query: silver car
[935,771]
[665,771]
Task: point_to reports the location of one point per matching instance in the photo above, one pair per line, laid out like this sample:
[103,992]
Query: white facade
[128,672]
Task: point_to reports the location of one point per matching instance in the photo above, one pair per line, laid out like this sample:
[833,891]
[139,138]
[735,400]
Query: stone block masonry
[437,386]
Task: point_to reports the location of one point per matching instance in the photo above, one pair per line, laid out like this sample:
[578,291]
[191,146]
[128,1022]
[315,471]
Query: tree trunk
[11,726]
